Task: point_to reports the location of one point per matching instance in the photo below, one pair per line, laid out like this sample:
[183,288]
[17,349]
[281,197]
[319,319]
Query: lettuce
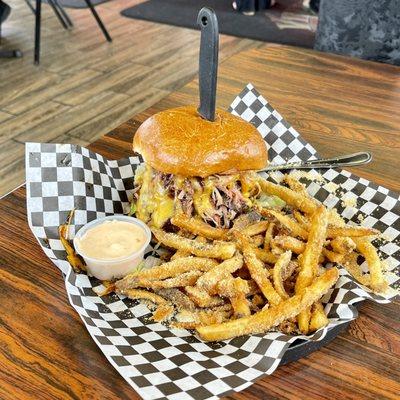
[132,209]
[269,201]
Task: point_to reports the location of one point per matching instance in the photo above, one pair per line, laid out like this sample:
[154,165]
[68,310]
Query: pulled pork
[228,203]
[217,199]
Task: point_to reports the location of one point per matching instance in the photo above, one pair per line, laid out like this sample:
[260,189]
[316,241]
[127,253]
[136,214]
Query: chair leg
[58,10]
[67,19]
[30,5]
[58,14]
[38,15]
[99,21]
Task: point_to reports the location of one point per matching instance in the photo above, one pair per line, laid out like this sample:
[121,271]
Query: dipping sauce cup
[107,265]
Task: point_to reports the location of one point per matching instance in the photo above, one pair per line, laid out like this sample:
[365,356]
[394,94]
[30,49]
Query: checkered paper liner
[156,361]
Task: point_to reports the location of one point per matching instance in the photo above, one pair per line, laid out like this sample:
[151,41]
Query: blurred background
[71,70]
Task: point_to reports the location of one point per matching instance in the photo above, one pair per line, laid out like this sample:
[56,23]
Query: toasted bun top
[178,141]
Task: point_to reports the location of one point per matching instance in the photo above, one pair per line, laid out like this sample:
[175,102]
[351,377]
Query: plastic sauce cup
[118,267]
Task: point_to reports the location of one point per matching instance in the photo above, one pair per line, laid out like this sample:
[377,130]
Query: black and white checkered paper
[163,363]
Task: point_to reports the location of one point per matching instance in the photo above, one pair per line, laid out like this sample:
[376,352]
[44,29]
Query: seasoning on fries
[221,250]
[73,258]
[268,268]
[278,273]
[377,280]
[268,318]
[309,261]
[198,227]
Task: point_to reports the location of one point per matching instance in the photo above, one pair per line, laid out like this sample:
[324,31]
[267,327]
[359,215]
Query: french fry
[290,270]
[179,254]
[297,200]
[332,231]
[255,229]
[73,258]
[275,249]
[178,298]
[378,282]
[301,219]
[202,298]
[167,270]
[240,306]
[298,247]
[318,317]
[332,256]
[198,227]
[221,250]
[257,240]
[186,279]
[278,273]
[309,261]
[265,255]
[269,234]
[214,316]
[343,245]
[352,231]
[109,288]
[273,316]
[210,279]
[229,286]
[290,243]
[163,312]
[259,273]
[288,222]
[236,290]
[295,185]
[144,295]
[192,319]
[174,268]
[352,267]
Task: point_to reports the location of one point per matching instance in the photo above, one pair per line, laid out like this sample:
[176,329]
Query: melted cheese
[142,206]
[162,206]
[249,184]
[155,205]
[202,197]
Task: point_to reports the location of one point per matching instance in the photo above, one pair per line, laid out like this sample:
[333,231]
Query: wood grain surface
[339,105]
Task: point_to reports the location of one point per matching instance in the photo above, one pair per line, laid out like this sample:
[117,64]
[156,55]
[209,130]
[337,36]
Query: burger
[197,167]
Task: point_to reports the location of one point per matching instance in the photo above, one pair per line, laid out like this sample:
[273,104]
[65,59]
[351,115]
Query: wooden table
[340,105]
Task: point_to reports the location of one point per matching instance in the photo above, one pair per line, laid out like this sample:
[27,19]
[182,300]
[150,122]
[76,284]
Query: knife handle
[208,62]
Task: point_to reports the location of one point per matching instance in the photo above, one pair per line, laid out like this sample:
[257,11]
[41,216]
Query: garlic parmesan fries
[268,271]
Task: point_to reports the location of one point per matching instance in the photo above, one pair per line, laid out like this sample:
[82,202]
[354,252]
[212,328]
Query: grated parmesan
[349,202]
[331,187]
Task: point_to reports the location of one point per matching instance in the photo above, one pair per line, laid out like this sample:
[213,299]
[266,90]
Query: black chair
[58,11]
[64,20]
[5,10]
